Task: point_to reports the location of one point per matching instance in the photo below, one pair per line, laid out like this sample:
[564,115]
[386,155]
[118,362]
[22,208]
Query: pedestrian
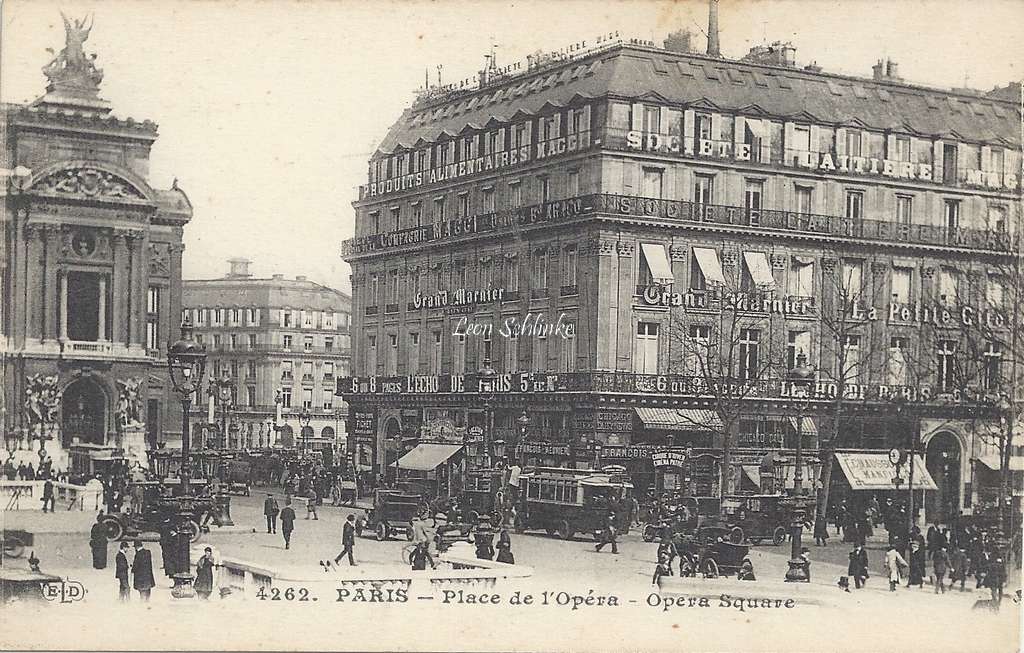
[48,499]
[483,538]
[820,533]
[505,548]
[30,472]
[124,590]
[204,575]
[270,510]
[805,557]
[746,571]
[668,549]
[348,540]
[311,503]
[287,523]
[167,549]
[958,567]
[982,565]
[932,539]
[917,565]
[894,563]
[940,563]
[608,536]
[98,543]
[420,556]
[858,567]
[142,571]
[996,578]
[661,569]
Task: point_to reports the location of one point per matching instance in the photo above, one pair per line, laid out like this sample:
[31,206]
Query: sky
[269,110]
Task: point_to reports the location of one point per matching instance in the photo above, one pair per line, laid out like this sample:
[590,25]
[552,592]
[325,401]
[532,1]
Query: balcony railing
[686,212]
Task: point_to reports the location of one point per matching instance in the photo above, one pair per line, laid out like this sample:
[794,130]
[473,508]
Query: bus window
[547,491]
[531,489]
[559,491]
[570,493]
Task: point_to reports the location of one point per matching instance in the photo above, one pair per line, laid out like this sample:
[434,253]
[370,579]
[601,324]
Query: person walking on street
[609,535]
[893,564]
[958,567]
[48,499]
[483,538]
[661,569]
[311,502]
[858,567]
[996,578]
[420,556]
[820,533]
[918,562]
[167,549]
[668,549]
[348,540]
[270,510]
[98,543]
[142,571]
[940,563]
[204,575]
[287,523]
[121,566]
[505,548]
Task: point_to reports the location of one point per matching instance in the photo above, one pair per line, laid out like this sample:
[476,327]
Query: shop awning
[679,419]
[760,270]
[873,471]
[710,266]
[808,482]
[426,457]
[753,473]
[992,462]
[657,263]
[808,427]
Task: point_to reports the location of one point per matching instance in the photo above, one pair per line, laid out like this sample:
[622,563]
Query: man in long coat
[858,567]
[98,543]
[142,571]
[121,573]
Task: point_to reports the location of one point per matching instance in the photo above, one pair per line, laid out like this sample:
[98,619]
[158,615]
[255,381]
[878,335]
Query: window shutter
[986,158]
[688,123]
[716,126]
[529,134]
[937,161]
[788,142]
[557,120]
[890,146]
[913,150]
[451,151]
[585,119]
[430,158]
[568,121]
[540,128]
[501,140]
[766,141]
[865,144]
[739,131]
[840,141]
[664,120]
[637,123]
[815,138]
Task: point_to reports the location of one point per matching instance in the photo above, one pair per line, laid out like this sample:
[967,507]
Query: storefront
[438,467]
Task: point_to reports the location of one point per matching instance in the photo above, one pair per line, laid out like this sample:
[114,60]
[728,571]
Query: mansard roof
[640,73]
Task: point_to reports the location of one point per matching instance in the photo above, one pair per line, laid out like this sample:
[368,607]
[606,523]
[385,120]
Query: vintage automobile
[710,553]
[759,517]
[88,461]
[14,542]
[154,505]
[393,512]
[564,502]
[482,495]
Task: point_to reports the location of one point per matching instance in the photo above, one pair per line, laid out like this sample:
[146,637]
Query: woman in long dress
[893,562]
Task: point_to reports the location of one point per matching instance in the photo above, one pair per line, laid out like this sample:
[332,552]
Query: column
[169,324]
[137,292]
[63,333]
[33,289]
[52,236]
[119,296]
[17,282]
[102,313]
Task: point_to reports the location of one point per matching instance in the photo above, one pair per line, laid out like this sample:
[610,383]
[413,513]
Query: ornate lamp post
[524,422]
[800,377]
[485,387]
[220,393]
[186,362]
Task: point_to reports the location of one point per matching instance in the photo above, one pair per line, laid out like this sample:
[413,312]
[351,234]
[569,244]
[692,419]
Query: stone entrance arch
[943,454]
[84,407]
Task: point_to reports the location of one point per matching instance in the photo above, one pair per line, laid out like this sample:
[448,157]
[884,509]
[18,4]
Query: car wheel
[565,531]
[778,536]
[381,532]
[113,529]
[686,567]
[551,531]
[710,568]
[473,516]
[736,535]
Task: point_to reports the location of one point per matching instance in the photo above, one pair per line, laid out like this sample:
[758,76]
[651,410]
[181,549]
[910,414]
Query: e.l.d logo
[64,591]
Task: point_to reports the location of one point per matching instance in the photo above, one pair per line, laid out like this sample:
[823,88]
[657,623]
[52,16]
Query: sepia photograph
[492,325]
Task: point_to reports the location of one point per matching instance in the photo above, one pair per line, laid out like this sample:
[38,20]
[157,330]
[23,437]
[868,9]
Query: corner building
[649,198]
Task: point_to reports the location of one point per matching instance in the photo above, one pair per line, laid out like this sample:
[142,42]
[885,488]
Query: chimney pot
[713,47]
[239,267]
[877,70]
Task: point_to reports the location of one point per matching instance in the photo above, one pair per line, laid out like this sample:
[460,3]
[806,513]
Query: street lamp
[220,392]
[524,422]
[485,386]
[800,377]
[186,362]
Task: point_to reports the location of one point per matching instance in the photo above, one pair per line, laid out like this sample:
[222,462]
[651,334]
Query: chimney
[877,70]
[239,268]
[300,278]
[892,70]
[713,49]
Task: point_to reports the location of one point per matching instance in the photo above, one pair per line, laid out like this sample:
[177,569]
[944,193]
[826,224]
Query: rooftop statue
[71,70]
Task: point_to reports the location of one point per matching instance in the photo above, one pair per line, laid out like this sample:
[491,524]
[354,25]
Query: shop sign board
[543,449]
[364,424]
[668,458]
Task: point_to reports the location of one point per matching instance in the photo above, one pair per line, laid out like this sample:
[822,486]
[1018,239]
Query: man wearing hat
[270,510]
[121,572]
[609,535]
[483,537]
[142,571]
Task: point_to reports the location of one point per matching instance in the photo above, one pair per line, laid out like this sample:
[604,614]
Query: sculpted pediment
[91,182]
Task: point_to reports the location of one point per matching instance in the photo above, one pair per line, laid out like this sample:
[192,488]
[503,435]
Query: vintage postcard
[456,325]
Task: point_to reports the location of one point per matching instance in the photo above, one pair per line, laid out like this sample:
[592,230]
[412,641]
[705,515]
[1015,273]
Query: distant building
[279,340]
[90,272]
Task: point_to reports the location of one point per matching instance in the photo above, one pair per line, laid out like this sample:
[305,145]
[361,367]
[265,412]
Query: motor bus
[564,502]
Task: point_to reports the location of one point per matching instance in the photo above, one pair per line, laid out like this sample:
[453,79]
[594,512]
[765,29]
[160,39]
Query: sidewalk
[72,522]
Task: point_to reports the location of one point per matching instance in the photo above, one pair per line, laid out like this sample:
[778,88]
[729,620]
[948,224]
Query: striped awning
[679,419]
[808,426]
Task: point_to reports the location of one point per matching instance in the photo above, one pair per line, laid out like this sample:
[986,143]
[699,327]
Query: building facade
[642,242]
[90,272]
[282,343]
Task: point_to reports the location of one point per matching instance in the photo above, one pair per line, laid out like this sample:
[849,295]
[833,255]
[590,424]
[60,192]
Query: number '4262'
[289,594]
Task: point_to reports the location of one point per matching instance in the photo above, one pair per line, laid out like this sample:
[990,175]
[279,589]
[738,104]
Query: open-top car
[393,512]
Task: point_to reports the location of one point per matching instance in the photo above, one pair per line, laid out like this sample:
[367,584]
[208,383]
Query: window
[152,334]
[201,316]
[307,319]
[510,356]
[619,115]
[804,196]
[328,344]
[994,291]
[252,341]
[757,273]
[540,354]
[286,370]
[253,319]
[286,397]
[488,200]
[391,360]
[250,395]
[854,204]
[703,189]
[286,342]
[442,154]
[946,365]
[463,205]
[540,269]
[459,274]
[753,136]
[901,283]
[250,369]
[512,273]
[152,318]
[439,209]
[374,290]
[997,219]
[435,354]
[853,139]
[749,345]
[307,343]
[392,289]
[702,127]
[997,159]
[417,214]
[851,356]
[486,274]
[396,218]
[399,162]
[948,286]
[645,352]
[801,139]
[904,209]
[569,266]
[286,318]
[153,300]
[752,197]
[307,398]
[951,215]
[519,137]
[307,370]
[572,183]
[216,341]
[697,279]
[797,342]
[801,276]
[458,354]
[902,149]
[414,354]
[698,362]
[236,316]
[544,188]
[652,183]
[851,280]
[652,120]
[515,194]
[898,346]
[991,366]
[567,353]
[233,341]
[371,355]
[486,346]
[375,221]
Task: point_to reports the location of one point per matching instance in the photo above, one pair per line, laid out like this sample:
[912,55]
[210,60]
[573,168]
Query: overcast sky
[269,110]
